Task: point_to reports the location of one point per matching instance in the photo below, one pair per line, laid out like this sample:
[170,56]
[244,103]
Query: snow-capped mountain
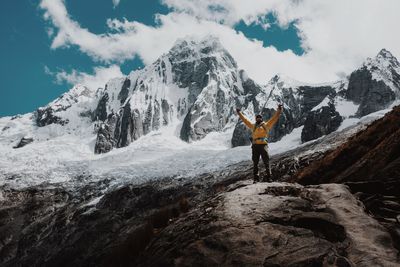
[195,88]
[375,84]
[196,84]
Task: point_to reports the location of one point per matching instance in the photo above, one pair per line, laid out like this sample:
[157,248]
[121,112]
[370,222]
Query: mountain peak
[205,45]
[195,48]
[384,54]
[385,67]
[384,59]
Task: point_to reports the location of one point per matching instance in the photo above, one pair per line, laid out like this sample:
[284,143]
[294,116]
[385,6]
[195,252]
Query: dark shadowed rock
[165,112]
[105,139]
[124,93]
[124,125]
[23,142]
[372,95]
[320,122]
[45,116]
[241,135]
[185,130]
[156,121]
[101,110]
[310,98]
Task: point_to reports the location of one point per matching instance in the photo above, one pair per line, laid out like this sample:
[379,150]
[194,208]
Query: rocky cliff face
[321,121]
[376,84]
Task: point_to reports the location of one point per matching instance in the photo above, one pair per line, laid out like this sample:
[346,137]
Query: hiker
[259,147]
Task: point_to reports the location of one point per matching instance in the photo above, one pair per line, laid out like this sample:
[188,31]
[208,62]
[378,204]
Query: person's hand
[237,110]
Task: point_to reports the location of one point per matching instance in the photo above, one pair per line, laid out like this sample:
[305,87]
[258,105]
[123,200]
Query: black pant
[257,151]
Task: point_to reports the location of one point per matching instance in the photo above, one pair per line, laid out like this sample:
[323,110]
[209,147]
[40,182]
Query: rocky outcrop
[100,113]
[369,164]
[105,139]
[45,116]
[310,97]
[376,84]
[321,121]
[74,103]
[274,224]
[241,135]
[370,94]
[55,227]
[23,142]
[119,130]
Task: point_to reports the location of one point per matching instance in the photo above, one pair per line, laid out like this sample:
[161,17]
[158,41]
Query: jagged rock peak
[383,59]
[384,54]
[194,48]
[385,67]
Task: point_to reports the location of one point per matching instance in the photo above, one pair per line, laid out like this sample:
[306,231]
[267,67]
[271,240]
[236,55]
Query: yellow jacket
[262,131]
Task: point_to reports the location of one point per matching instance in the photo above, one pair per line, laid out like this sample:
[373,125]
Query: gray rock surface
[105,139]
[321,122]
[45,116]
[23,142]
[372,95]
[274,224]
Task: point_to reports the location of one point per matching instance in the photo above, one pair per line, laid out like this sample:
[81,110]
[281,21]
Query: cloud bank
[98,79]
[336,35]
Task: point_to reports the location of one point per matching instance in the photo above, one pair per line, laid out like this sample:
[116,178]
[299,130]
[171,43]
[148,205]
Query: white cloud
[93,81]
[337,35]
[116,3]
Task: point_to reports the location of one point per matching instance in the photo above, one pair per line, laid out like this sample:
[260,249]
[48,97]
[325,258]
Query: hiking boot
[256,179]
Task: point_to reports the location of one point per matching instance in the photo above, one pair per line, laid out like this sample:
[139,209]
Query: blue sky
[25,50]
[49,45]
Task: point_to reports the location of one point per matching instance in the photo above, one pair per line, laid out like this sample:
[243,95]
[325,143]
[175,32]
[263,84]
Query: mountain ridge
[199,84]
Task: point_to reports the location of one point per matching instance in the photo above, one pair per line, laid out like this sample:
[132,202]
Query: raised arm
[274,118]
[244,119]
